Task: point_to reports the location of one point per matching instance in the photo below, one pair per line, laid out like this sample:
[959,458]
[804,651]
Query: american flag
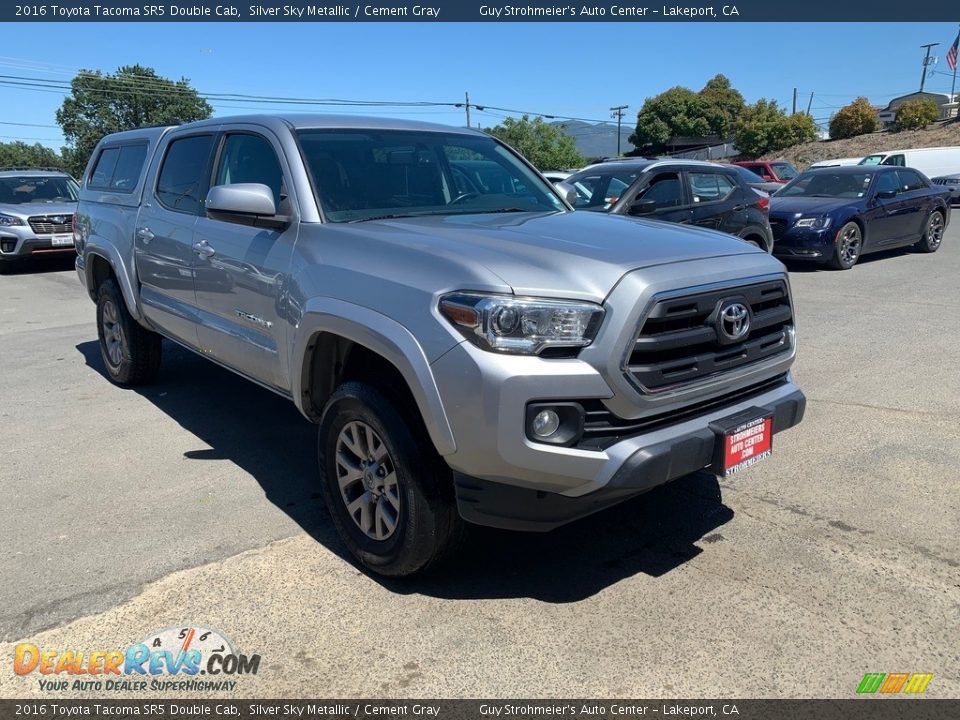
[952,54]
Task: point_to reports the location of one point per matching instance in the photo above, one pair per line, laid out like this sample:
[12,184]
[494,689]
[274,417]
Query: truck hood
[790,207]
[579,255]
[26,210]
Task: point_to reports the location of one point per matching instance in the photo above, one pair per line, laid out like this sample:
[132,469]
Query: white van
[930,161]
[836,162]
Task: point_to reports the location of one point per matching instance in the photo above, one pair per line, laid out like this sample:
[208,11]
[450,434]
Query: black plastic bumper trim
[497,504]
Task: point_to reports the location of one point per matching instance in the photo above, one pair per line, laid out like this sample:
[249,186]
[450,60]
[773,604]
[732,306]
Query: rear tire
[130,352]
[389,493]
[933,235]
[847,248]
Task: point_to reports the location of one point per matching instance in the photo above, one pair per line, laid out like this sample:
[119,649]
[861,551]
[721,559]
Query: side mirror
[886,194]
[567,191]
[244,203]
[642,207]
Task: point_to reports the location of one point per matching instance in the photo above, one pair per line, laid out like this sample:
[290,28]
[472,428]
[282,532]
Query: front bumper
[17,242]
[649,462]
[806,243]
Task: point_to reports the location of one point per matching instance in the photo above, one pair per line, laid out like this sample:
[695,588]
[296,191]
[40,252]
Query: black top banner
[483,11]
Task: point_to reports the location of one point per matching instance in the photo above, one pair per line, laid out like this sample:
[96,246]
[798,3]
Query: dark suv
[680,191]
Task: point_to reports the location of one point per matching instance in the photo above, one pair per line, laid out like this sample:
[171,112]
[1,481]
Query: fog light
[555,423]
[546,423]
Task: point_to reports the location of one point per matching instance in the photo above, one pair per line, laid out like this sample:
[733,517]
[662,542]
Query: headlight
[813,222]
[522,326]
[8,220]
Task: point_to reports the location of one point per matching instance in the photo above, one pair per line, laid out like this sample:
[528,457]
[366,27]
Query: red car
[777,171]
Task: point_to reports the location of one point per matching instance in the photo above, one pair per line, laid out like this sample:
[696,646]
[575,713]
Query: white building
[946,103]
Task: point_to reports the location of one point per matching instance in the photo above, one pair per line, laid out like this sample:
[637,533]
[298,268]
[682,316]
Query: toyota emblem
[733,321]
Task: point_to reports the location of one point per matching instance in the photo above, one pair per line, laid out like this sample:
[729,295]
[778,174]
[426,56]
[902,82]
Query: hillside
[862,145]
[596,140]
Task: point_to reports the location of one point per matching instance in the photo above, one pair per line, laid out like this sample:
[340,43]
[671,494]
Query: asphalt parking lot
[193,501]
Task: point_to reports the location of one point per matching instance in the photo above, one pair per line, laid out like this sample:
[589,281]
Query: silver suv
[470,348]
[36,212]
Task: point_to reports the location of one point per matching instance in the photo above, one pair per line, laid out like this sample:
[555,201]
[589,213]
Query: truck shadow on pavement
[265,436]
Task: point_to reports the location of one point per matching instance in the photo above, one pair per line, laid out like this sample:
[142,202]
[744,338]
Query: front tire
[848,247]
[933,235]
[130,352]
[388,492]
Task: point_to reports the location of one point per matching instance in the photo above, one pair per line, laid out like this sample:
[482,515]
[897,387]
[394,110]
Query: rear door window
[710,187]
[183,176]
[911,180]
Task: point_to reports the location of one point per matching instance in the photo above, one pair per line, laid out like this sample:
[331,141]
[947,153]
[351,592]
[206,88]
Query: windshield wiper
[386,217]
[497,210]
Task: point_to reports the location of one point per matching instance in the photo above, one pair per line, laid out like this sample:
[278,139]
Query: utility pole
[466,96]
[809,103]
[617,112]
[926,63]
[794,101]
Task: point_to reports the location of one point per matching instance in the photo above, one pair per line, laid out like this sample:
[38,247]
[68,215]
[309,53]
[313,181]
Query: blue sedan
[834,215]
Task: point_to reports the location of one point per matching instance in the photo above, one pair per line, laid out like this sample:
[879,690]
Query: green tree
[548,147]
[132,97]
[680,111]
[764,127]
[20,154]
[857,118]
[722,105]
[916,114]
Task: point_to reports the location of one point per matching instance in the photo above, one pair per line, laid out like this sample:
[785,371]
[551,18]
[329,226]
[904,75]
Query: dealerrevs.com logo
[184,653]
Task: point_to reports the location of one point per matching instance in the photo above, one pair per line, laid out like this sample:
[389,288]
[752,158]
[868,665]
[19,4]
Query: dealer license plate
[59,240]
[744,440]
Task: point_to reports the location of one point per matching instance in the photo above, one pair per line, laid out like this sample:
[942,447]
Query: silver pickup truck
[470,348]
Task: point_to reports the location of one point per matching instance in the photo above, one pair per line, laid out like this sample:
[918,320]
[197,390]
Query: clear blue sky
[562,68]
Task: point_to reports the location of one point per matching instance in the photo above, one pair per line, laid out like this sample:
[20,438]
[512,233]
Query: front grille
[679,341]
[601,428]
[945,181]
[51,224]
[779,227]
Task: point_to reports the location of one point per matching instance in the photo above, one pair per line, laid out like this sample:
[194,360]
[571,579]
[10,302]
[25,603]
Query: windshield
[828,184]
[25,189]
[599,190]
[369,174]
[872,160]
[785,171]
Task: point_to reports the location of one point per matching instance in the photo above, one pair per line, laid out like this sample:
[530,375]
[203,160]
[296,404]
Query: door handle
[203,249]
[145,235]
[738,208]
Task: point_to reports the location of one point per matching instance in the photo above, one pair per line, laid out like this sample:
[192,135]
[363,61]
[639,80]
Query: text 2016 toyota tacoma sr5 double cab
[470,347]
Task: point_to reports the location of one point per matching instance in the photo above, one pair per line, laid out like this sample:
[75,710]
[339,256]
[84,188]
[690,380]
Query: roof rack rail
[37,168]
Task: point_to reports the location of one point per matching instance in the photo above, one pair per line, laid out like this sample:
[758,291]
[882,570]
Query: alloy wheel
[368,482]
[112,334]
[935,231]
[850,242]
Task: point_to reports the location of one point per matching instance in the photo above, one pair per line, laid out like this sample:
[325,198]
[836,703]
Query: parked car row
[835,212]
